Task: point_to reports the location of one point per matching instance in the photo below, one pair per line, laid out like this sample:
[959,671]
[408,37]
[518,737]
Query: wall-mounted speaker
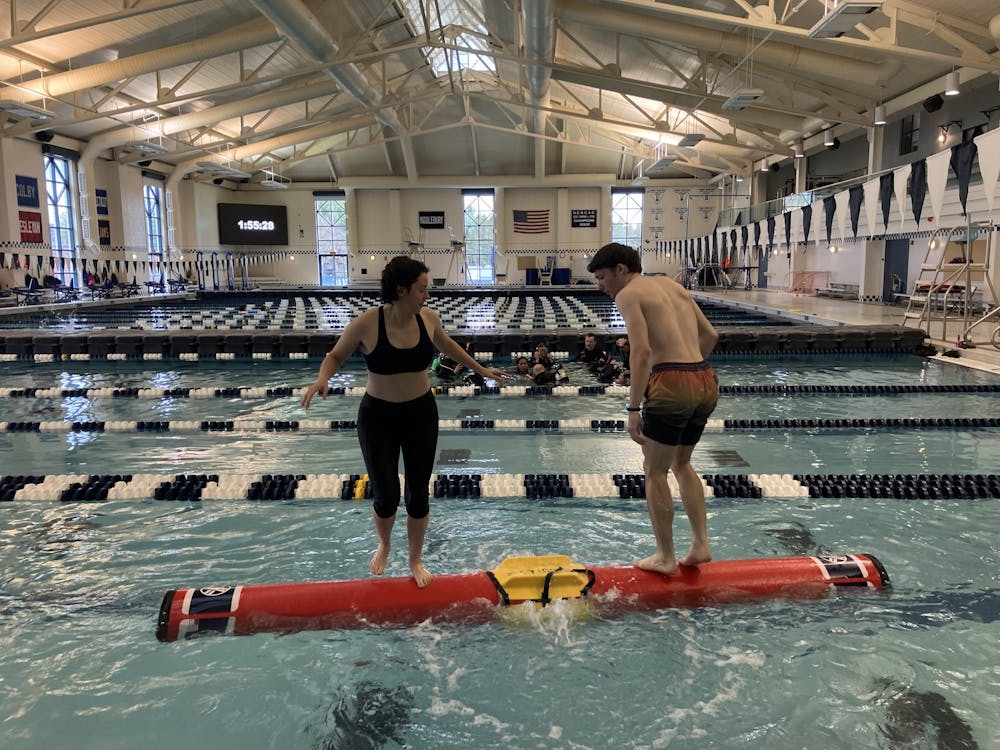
[144,163]
[775,167]
[217,181]
[834,145]
[933,103]
[43,136]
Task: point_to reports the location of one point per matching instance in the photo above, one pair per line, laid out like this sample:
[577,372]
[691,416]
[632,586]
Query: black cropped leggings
[385,429]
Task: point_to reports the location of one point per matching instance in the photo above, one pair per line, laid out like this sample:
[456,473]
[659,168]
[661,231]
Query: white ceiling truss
[468,89]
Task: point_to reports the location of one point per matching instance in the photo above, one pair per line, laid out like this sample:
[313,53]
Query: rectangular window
[153,196]
[479,223]
[626,217]
[331,239]
[62,224]
[909,133]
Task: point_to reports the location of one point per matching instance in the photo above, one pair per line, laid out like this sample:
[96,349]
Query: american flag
[531,222]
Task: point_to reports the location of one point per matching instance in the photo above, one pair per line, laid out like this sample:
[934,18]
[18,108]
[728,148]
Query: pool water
[911,666]
[758,451]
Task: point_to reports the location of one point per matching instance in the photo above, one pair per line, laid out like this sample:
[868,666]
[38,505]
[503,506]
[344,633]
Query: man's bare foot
[379,559]
[699,553]
[657,564]
[420,574]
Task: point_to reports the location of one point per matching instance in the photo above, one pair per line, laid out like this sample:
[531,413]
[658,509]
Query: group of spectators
[542,369]
[602,363]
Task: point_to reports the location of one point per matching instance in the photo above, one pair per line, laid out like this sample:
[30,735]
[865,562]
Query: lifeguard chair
[545,272]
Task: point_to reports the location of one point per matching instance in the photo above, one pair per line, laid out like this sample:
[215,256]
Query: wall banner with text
[431,219]
[30,223]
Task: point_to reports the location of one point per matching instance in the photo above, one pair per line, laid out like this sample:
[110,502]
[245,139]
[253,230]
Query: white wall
[19,157]
[378,219]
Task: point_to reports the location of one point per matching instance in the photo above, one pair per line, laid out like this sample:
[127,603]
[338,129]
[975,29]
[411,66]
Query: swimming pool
[465,310]
[82,583]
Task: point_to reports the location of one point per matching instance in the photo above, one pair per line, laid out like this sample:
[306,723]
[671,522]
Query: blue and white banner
[27,191]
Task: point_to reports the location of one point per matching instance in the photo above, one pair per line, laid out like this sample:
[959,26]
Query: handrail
[775,206]
[760,211]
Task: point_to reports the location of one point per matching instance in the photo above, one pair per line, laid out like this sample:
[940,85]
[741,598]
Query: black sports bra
[385,359]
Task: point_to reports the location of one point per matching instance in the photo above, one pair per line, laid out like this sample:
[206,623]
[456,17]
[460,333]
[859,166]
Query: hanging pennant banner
[885,188]
[962,157]
[901,177]
[989,162]
[807,215]
[918,188]
[855,199]
[872,189]
[842,200]
[937,177]
[829,210]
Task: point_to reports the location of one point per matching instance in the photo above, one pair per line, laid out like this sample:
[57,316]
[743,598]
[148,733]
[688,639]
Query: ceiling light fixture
[223,171]
[145,147]
[951,84]
[879,114]
[691,139]
[30,111]
[799,150]
[841,16]
[828,138]
[742,98]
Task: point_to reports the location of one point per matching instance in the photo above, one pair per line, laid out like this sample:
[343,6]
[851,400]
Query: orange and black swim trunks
[679,399]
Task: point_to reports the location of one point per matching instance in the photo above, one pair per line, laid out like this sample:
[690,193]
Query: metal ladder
[946,283]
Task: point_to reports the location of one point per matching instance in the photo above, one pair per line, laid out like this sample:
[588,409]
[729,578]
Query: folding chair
[30,293]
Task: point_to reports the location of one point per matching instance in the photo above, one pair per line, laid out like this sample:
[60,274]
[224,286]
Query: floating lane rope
[508,391]
[474,598]
[244,426]
[332,487]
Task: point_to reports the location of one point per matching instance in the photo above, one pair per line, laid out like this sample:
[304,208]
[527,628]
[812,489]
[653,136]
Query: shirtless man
[673,391]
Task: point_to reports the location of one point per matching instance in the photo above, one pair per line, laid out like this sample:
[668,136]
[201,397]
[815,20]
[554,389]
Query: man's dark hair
[614,253]
[401,271]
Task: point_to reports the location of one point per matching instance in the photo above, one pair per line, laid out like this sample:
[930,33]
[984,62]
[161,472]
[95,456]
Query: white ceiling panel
[620,68]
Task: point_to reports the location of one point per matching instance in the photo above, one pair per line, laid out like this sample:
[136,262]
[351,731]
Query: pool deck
[827,311]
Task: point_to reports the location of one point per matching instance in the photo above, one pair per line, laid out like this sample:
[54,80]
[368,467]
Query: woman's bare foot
[699,553]
[657,564]
[420,574]
[379,559]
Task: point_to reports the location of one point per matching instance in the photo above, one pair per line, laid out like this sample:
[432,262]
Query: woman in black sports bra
[398,412]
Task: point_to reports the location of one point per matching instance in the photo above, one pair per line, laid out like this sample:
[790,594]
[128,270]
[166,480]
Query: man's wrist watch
[633,408]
